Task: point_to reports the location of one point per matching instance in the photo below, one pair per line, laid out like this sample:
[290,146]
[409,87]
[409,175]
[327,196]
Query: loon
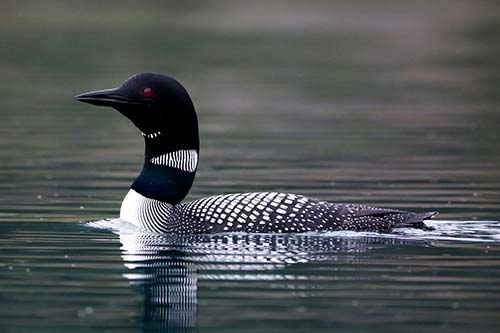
[161,108]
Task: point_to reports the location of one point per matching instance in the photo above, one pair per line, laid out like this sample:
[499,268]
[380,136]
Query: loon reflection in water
[164,113]
[166,268]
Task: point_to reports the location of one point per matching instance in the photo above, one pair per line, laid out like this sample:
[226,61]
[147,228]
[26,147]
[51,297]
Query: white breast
[149,214]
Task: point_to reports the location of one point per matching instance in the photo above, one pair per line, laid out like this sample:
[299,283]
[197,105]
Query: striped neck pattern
[185,160]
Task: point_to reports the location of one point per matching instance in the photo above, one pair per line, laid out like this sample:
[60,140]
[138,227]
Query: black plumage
[164,113]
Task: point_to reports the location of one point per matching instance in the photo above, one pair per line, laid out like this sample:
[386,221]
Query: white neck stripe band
[186,160]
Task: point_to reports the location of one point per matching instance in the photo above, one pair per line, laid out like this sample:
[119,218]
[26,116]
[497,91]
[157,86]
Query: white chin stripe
[151,135]
[186,160]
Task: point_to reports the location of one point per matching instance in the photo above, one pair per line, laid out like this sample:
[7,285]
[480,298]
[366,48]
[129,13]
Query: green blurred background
[393,103]
[389,103]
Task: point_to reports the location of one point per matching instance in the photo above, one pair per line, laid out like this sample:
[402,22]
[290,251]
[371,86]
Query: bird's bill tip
[105,97]
[98,97]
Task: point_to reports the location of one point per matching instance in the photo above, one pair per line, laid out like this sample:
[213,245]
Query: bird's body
[260,212]
[162,109]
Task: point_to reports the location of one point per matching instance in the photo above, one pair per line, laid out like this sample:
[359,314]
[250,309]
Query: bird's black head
[164,113]
[158,105]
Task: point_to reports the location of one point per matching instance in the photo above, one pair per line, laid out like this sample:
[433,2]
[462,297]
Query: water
[391,104]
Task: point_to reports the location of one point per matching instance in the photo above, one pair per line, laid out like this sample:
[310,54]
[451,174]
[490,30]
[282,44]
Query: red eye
[147,92]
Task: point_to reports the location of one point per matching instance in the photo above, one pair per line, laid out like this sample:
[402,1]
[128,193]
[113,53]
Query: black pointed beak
[106,97]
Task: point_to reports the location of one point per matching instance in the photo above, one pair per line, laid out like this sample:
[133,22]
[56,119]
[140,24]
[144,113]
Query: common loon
[163,111]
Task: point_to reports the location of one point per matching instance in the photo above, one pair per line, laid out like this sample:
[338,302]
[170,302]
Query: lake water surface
[393,104]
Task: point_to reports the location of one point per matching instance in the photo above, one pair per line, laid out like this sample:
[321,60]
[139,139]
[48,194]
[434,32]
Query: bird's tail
[396,218]
[418,219]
